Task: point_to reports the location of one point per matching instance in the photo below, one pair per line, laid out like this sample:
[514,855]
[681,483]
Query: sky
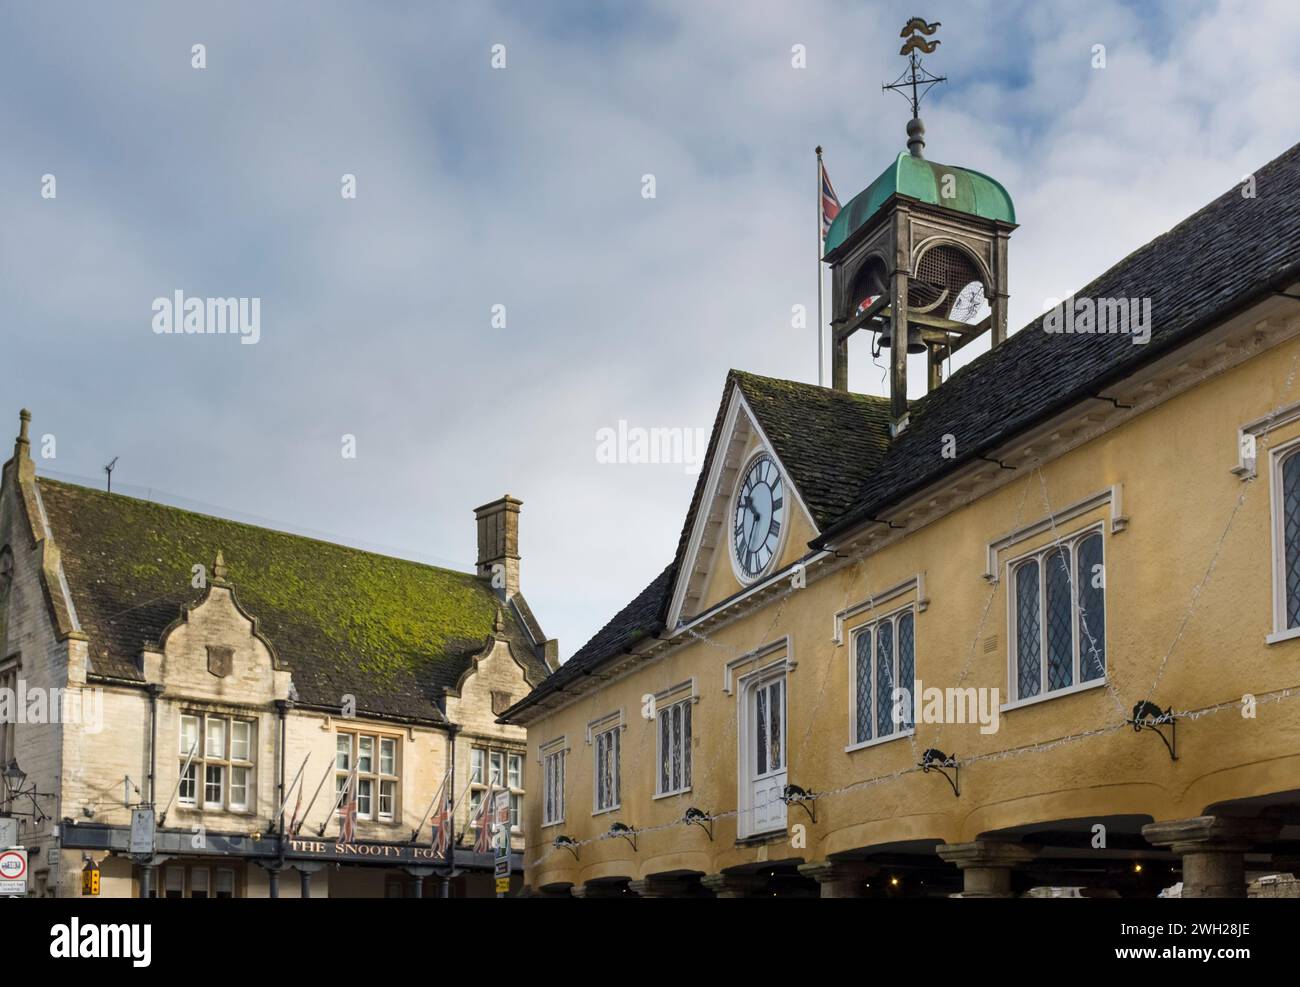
[516,193]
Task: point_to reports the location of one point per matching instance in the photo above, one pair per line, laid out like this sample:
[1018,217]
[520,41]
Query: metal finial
[916,78]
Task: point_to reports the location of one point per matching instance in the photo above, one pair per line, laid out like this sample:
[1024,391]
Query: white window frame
[487,755]
[687,727]
[604,738]
[1277,513]
[552,757]
[1071,543]
[225,763]
[892,616]
[375,778]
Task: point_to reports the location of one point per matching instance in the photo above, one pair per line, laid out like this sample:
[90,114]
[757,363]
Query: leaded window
[1059,617]
[674,738]
[1291,536]
[607,769]
[553,803]
[884,675]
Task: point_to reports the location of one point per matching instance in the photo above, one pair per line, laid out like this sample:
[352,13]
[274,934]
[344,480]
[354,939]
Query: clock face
[759,514]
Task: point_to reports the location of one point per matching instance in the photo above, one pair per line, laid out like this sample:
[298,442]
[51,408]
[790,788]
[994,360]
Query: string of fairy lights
[1194,602]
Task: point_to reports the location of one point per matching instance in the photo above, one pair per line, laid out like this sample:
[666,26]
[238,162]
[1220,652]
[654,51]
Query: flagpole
[821,335]
[432,802]
[300,822]
[289,795]
[338,799]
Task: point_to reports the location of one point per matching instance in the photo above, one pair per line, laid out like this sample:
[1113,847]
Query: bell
[914,342]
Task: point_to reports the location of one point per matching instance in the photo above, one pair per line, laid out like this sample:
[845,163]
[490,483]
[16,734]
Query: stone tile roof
[1227,256]
[391,632]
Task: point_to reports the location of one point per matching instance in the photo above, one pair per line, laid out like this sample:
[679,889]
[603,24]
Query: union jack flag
[483,839]
[442,829]
[348,822]
[830,202]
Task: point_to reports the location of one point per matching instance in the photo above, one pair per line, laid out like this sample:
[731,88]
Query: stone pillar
[986,865]
[841,878]
[732,885]
[659,887]
[305,871]
[418,874]
[1213,849]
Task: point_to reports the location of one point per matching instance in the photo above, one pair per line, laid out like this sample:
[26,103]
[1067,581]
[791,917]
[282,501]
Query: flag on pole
[442,828]
[830,202]
[483,839]
[348,821]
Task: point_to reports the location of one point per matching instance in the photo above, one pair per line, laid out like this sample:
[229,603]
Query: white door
[766,755]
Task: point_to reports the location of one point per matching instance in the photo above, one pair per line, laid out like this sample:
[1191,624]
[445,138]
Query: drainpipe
[444,886]
[273,873]
[147,867]
[155,690]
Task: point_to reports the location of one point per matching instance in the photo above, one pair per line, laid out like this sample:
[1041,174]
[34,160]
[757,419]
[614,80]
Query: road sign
[13,872]
[142,832]
[503,885]
[90,879]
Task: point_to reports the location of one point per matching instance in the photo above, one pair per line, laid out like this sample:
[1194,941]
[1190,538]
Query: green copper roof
[973,193]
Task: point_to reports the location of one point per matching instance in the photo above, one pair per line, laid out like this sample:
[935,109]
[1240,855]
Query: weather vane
[916,77]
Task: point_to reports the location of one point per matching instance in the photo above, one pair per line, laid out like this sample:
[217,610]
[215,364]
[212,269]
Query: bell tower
[922,249]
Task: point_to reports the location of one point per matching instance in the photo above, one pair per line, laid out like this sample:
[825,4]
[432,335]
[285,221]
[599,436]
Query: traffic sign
[13,872]
[503,885]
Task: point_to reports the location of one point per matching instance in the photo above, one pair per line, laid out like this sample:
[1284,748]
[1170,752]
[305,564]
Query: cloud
[522,187]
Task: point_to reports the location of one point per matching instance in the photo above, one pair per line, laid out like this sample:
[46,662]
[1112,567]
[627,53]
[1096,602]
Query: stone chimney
[498,544]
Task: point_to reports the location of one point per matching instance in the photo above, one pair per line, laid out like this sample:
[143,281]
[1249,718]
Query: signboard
[13,872]
[90,879]
[8,831]
[501,835]
[142,832]
[503,885]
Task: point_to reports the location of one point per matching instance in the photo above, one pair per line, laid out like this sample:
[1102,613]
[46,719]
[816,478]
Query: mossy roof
[391,632]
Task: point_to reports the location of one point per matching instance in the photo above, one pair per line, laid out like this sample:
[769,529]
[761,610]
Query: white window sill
[1277,637]
[612,808]
[668,795]
[1049,696]
[877,741]
[549,825]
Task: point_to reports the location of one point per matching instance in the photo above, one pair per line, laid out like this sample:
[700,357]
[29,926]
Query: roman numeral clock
[758,517]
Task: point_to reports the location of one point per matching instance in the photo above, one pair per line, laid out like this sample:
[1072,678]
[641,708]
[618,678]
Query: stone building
[1038,628]
[210,672]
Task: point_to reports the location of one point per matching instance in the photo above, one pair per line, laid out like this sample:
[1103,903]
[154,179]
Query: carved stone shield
[220,660]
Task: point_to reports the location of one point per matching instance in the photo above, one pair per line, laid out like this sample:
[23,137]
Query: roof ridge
[253,527]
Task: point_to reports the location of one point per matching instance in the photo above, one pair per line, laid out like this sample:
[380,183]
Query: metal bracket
[1000,463]
[622,831]
[695,817]
[936,760]
[566,843]
[794,795]
[1148,716]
